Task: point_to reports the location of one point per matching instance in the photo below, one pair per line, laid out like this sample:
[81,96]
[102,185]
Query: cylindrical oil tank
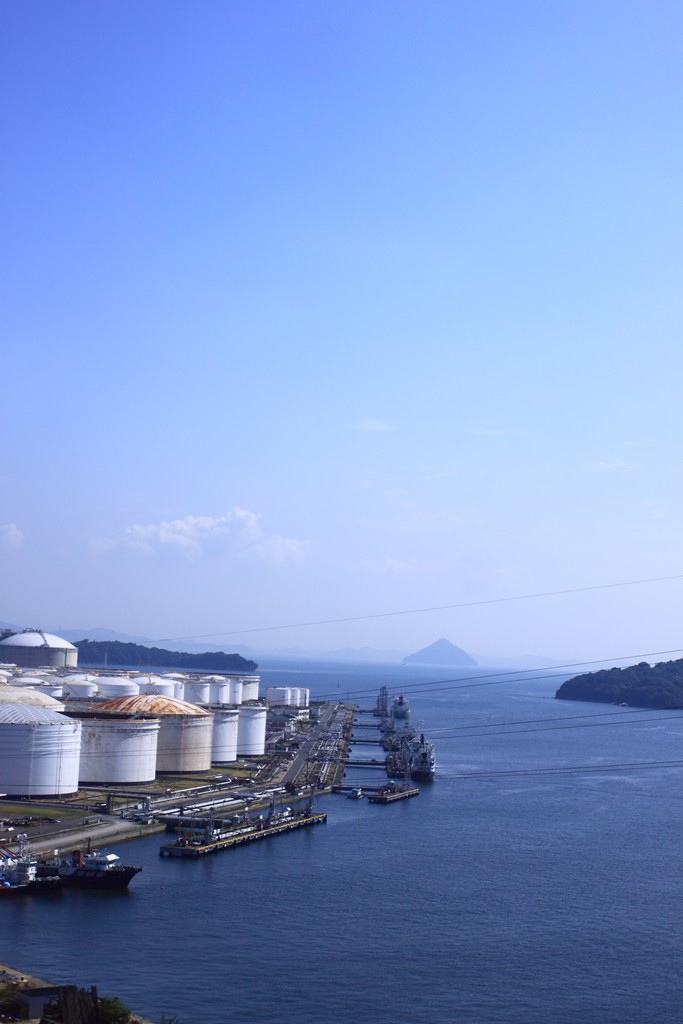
[225,725]
[236,690]
[219,690]
[303,696]
[53,689]
[197,691]
[178,679]
[27,695]
[279,695]
[80,689]
[250,685]
[185,731]
[251,731]
[118,749]
[116,686]
[185,743]
[155,684]
[33,648]
[39,751]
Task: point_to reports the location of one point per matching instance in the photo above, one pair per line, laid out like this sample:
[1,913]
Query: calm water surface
[504,893]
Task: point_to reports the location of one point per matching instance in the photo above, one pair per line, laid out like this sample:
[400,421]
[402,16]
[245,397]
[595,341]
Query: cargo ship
[400,707]
[423,762]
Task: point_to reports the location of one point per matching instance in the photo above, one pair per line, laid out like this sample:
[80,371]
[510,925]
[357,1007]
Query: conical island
[442,652]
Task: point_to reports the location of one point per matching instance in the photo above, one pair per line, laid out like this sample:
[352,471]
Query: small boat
[88,869]
[355,794]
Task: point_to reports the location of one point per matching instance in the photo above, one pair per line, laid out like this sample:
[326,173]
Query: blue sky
[314,311]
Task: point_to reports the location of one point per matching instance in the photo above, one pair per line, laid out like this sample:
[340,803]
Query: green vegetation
[639,686]
[21,810]
[97,653]
[112,1011]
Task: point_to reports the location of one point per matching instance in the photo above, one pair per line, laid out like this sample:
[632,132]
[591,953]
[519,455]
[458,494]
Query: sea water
[536,880]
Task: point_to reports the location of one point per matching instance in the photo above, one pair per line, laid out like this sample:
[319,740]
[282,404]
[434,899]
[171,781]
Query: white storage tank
[55,689]
[116,686]
[155,684]
[236,690]
[225,726]
[251,731]
[178,679]
[279,695]
[27,695]
[197,691]
[80,689]
[302,696]
[185,731]
[33,648]
[118,749]
[250,687]
[219,689]
[39,751]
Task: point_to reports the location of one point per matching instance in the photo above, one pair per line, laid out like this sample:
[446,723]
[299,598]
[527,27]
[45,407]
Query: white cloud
[239,531]
[371,425]
[278,550]
[11,536]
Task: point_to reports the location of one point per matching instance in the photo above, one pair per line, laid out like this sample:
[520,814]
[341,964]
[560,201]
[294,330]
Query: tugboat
[423,767]
[355,794]
[88,869]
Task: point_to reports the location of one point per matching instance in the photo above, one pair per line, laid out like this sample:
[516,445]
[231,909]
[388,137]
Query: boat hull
[91,878]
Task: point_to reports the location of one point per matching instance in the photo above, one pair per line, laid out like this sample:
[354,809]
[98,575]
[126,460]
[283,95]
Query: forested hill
[96,653]
[639,686]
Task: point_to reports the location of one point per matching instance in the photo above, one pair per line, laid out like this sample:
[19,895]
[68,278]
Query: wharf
[390,796]
[355,763]
[189,848]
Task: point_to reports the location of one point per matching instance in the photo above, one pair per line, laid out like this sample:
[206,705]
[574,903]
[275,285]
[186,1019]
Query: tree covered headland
[639,686]
[115,653]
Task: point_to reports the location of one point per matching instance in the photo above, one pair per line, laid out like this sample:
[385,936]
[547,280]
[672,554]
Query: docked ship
[19,874]
[88,869]
[423,762]
[400,707]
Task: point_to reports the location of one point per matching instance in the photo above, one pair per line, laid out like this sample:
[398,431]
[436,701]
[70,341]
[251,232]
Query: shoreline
[22,979]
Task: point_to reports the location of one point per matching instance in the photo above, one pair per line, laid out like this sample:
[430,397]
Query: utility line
[498,678]
[567,770]
[419,611]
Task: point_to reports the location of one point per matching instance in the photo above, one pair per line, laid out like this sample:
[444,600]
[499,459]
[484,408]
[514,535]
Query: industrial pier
[390,794]
[187,847]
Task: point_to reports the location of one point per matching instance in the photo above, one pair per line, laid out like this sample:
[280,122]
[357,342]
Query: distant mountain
[442,652]
[113,652]
[99,633]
